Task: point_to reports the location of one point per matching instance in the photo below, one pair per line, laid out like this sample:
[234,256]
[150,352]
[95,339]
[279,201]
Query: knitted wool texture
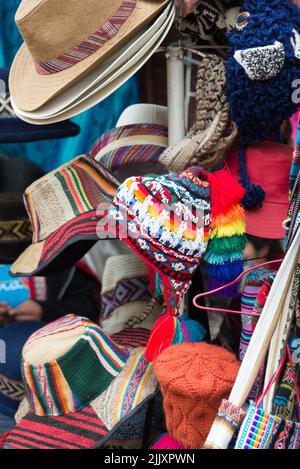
[258,107]
[194,379]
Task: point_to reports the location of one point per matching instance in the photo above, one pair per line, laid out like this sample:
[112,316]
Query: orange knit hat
[194,379]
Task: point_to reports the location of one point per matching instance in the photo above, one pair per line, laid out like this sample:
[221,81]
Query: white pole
[176,94]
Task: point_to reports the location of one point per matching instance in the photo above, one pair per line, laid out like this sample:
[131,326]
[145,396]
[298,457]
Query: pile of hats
[62,70]
[144,369]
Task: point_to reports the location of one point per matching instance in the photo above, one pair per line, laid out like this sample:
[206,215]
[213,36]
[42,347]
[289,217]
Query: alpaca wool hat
[268,164]
[14,130]
[169,221]
[261,66]
[57,53]
[81,388]
[13,336]
[194,379]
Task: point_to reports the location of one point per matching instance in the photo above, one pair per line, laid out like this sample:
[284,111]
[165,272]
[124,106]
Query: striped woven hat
[80,386]
[76,190]
[62,207]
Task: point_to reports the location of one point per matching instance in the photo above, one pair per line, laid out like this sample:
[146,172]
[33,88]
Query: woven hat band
[15,230]
[68,381]
[76,188]
[61,44]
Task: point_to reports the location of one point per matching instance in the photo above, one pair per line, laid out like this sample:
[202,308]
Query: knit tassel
[166,441]
[228,292]
[221,246]
[224,255]
[166,331]
[254,195]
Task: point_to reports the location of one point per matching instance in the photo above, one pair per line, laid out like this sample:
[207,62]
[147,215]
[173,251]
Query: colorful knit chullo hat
[81,389]
[171,220]
[262,65]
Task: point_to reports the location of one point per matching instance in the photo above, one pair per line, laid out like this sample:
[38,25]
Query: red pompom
[226,191]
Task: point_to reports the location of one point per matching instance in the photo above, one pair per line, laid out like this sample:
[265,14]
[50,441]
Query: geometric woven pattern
[126,291]
[15,230]
[11,388]
[261,430]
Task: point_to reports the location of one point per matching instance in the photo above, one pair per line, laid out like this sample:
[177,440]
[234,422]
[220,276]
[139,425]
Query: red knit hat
[194,379]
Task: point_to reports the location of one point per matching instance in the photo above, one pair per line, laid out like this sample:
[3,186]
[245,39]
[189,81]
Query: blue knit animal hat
[262,65]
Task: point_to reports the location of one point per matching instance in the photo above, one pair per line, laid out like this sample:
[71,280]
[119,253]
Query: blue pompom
[254,197]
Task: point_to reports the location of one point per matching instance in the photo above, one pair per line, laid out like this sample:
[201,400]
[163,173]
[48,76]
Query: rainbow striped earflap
[224,254]
[172,221]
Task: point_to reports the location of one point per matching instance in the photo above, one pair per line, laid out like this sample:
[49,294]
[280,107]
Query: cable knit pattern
[194,379]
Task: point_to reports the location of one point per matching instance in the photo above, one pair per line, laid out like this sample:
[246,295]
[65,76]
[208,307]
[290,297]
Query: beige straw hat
[64,41]
[89,91]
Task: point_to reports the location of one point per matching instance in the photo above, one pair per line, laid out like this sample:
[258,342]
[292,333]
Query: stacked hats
[194,379]
[212,131]
[176,214]
[64,70]
[125,296]
[13,129]
[82,390]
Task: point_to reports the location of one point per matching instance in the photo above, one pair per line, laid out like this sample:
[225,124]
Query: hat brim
[15,130]
[30,90]
[275,214]
[60,250]
[96,423]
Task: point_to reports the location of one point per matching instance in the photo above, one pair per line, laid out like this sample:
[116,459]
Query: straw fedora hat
[56,52]
[90,91]
[133,55]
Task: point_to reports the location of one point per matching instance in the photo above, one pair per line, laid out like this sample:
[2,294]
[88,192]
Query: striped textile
[253,284]
[90,45]
[134,384]
[68,383]
[295,168]
[114,419]
[132,337]
[76,431]
[139,144]
[74,189]
[261,430]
